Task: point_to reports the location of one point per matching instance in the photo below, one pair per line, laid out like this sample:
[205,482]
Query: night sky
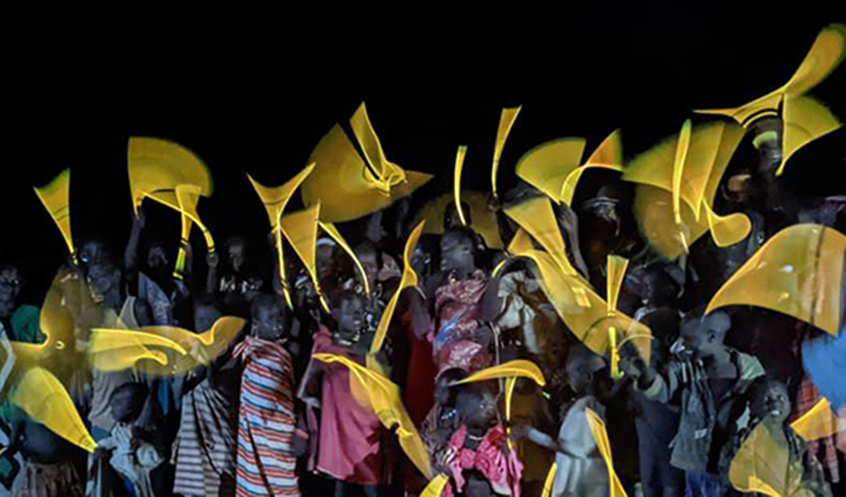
[254,93]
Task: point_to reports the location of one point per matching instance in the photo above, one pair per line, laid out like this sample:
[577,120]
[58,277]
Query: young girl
[267,424]
[477,457]
[348,447]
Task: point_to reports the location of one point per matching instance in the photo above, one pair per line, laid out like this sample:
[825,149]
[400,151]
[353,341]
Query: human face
[479,411]
[205,317]
[236,254]
[581,371]
[325,263]
[371,266]
[10,285]
[269,322]
[456,255]
[420,261]
[771,401]
[102,279]
[351,319]
[156,258]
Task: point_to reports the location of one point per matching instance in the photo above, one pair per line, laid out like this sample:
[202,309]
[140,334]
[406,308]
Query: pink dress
[348,448]
[458,309]
[502,470]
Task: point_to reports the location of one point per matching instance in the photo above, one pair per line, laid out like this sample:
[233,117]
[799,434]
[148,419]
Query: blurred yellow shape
[333,232]
[600,435]
[819,422]
[801,124]
[550,481]
[506,122]
[55,196]
[763,464]
[483,218]
[797,272]
[538,219]
[616,273]
[608,155]
[175,351]
[519,368]
[409,279]
[275,199]
[670,191]
[436,486]
[456,187]
[300,228]
[547,166]
[383,399]
[173,176]
[347,187]
[45,400]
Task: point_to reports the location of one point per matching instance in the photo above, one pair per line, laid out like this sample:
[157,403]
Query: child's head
[703,335]
[444,393]
[476,406]
[206,312]
[268,316]
[660,288]
[458,250]
[349,311]
[768,397]
[583,367]
[127,401]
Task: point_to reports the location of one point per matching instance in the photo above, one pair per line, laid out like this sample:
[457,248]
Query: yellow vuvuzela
[506,122]
[348,187]
[484,218]
[600,435]
[456,187]
[300,228]
[819,422]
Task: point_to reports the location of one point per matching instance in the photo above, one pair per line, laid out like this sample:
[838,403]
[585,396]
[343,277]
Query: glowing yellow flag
[483,218]
[409,279]
[608,155]
[275,199]
[114,350]
[797,272]
[333,232]
[600,435]
[825,56]
[383,398]
[300,229]
[819,422]
[456,187]
[679,192]
[506,121]
[518,368]
[56,324]
[436,486]
[55,196]
[763,464]
[346,187]
[173,176]
[45,400]
[547,166]
[538,219]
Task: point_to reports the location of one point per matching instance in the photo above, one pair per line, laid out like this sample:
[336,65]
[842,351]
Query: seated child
[442,420]
[131,458]
[769,409]
[581,470]
[479,444]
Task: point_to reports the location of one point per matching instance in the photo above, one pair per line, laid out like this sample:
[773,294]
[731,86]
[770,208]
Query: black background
[254,91]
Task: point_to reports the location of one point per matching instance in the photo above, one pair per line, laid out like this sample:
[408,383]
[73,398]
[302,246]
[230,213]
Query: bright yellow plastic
[456,187]
[819,422]
[798,272]
[763,465]
[506,121]
[333,232]
[436,486]
[484,219]
[55,196]
[600,435]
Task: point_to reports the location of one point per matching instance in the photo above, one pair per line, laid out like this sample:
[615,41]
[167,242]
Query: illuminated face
[269,322]
[456,255]
[371,266]
[478,409]
[773,400]
[10,285]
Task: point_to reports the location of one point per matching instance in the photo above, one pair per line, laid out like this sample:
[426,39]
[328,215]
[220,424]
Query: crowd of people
[266,416]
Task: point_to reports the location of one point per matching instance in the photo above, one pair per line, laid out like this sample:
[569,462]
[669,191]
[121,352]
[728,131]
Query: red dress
[458,309]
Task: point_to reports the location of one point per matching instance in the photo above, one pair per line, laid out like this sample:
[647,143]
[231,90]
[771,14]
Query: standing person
[206,445]
[268,437]
[20,322]
[706,380]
